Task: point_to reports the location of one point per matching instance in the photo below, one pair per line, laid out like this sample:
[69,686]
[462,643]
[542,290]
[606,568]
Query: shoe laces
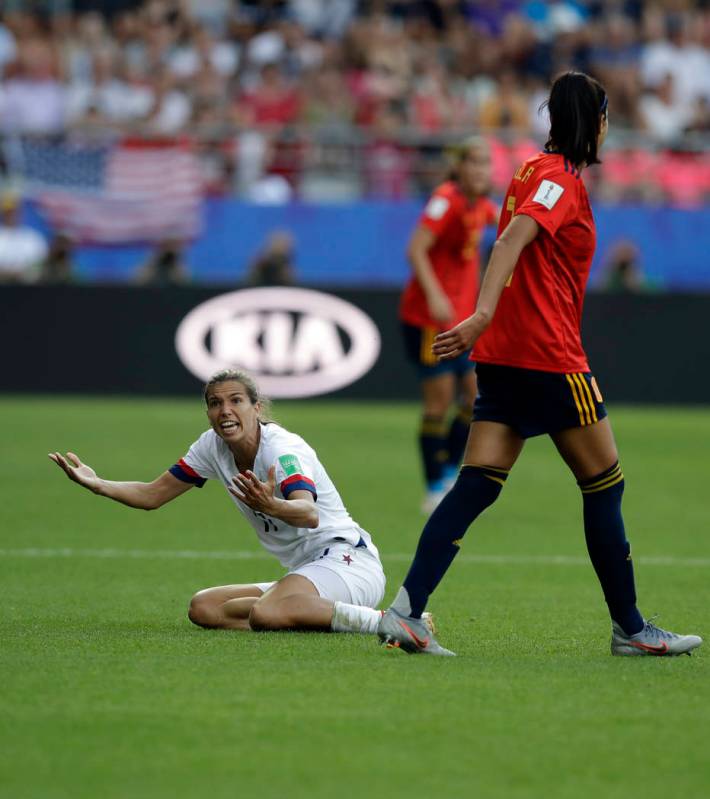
[652,630]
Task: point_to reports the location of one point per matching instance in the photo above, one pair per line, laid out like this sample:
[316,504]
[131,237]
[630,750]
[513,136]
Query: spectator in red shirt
[533,379]
[272,103]
[444,251]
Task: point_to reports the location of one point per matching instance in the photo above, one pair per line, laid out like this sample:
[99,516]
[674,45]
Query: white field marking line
[193,554]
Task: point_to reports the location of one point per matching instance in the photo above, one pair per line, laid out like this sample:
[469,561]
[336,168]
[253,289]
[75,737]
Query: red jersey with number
[537,322]
[457,225]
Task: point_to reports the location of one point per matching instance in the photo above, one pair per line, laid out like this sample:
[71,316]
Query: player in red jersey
[444,253]
[533,379]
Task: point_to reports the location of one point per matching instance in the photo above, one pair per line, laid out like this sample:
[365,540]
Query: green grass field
[108,691]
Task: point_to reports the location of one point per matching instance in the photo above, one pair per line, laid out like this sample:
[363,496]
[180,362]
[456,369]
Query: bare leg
[468,386]
[589,450]
[460,422]
[438,395]
[225,607]
[492,444]
[292,604]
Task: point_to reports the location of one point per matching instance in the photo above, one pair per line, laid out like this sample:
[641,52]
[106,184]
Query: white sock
[401,602]
[354,619]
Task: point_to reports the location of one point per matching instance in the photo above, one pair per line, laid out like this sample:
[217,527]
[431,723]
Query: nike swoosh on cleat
[661,649]
[422,643]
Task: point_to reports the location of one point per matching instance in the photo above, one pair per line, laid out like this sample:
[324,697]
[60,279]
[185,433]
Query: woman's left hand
[252,492]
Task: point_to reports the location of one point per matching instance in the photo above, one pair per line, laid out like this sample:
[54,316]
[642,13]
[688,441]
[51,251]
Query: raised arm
[504,256]
[146,496]
[299,510]
[421,242]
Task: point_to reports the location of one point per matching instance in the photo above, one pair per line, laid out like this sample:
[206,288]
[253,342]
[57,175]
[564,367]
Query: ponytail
[576,104]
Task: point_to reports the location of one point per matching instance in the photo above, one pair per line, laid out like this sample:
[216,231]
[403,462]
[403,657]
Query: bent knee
[203,612]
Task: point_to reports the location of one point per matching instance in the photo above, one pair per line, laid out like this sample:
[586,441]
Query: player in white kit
[335,578]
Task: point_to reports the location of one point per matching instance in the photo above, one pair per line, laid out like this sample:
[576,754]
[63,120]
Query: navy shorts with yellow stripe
[536,403]
[418,342]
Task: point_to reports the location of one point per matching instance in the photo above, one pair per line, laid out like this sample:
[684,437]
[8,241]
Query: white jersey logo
[436,207]
[297,342]
[548,193]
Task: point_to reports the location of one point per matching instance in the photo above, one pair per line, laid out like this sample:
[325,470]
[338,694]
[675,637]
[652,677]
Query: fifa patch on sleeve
[436,207]
[548,193]
[290,464]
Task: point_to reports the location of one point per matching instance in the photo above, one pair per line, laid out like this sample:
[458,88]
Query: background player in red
[533,379]
[444,252]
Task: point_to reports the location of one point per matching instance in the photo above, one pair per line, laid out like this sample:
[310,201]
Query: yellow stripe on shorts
[426,356]
[576,400]
[592,406]
[582,398]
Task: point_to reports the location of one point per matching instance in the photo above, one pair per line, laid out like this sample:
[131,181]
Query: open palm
[76,470]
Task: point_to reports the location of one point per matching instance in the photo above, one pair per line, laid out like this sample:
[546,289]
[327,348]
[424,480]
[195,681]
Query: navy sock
[608,548]
[458,436]
[475,489]
[432,444]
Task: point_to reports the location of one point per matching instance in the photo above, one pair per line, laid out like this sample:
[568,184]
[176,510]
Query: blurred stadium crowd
[335,99]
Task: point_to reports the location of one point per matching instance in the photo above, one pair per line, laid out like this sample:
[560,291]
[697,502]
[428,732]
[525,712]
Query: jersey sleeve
[195,467]
[437,213]
[294,471]
[552,200]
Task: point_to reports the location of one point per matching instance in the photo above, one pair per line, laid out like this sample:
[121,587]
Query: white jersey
[297,468]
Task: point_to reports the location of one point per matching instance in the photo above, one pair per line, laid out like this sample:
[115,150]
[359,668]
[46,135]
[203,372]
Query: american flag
[127,193]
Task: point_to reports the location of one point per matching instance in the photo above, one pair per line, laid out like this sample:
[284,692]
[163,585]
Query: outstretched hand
[76,470]
[253,492]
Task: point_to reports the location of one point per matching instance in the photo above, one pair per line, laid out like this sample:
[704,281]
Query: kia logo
[296,342]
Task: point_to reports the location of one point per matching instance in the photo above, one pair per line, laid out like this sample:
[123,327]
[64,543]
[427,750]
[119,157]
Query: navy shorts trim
[418,342]
[536,403]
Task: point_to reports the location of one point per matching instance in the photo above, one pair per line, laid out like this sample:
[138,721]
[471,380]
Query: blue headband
[605,105]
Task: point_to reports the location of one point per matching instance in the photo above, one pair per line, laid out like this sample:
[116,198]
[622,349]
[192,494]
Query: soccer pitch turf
[108,690]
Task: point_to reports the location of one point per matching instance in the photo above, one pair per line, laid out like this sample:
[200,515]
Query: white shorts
[344,573]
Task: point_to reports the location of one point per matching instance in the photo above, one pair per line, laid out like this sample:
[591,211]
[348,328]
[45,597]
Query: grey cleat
[651,640]
[415,636]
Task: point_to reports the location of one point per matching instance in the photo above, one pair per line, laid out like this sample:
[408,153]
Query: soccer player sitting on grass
[335,578]
[534,379]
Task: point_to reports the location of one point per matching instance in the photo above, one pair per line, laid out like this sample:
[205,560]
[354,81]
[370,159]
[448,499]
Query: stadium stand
[344,99]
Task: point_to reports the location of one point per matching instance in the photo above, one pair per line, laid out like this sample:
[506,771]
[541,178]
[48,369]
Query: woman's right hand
[76,470]
[459,339]
[440,307]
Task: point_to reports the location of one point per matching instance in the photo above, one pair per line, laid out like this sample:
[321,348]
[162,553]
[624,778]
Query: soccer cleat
[414,636]
[651,640]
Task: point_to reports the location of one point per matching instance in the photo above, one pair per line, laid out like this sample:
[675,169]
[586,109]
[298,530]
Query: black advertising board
[307,342]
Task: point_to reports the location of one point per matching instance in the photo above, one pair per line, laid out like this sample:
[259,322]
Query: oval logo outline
[364,338]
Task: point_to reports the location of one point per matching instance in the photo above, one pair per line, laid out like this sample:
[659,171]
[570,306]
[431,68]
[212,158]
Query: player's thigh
[438,393]
[288,586]
[587,450]
[492,444]
[220,594]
